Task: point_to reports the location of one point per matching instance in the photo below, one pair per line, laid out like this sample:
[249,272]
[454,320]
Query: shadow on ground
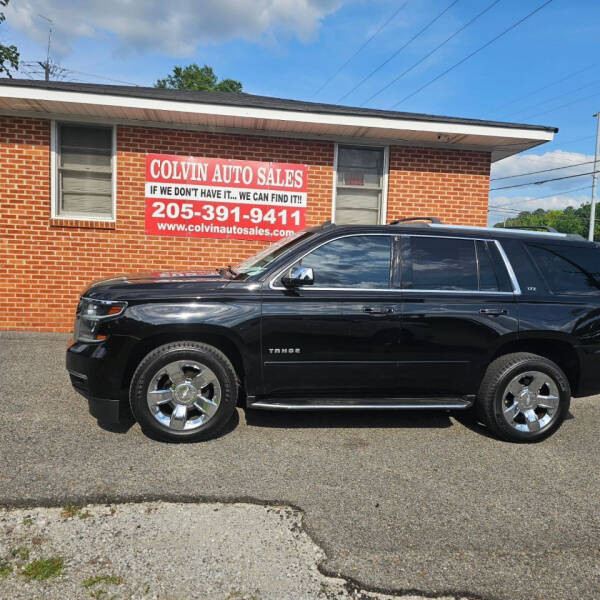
[357,419]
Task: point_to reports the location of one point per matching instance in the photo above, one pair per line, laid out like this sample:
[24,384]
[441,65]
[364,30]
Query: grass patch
[73,510]
[70,510]
[108,579]
[21,553]
[5,569]
[44,568]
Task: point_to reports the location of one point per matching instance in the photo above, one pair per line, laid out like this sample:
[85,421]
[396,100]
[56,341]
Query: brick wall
[45,263]
[449,184]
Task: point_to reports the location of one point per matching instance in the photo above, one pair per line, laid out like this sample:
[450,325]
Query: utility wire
[588,162]
[567,93]
[545,87]
[362,47]
[32,67]
[393,81]
[412,39]
[506,187]
[562,106]
[516,210]
[579,189]
[513,211]
[565,143]
[102,77]
[460,62]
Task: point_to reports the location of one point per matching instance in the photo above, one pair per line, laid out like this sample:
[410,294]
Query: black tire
[205,354]
[491,400]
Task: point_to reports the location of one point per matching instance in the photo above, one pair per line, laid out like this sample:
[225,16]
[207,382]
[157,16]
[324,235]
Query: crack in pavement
[356,589]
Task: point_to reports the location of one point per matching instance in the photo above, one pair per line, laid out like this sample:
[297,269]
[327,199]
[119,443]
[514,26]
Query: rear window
[572,270]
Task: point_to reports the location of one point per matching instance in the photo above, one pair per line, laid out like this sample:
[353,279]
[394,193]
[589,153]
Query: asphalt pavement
[399,502]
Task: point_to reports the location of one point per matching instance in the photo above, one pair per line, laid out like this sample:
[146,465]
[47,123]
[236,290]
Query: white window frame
[384,182]
[55,212]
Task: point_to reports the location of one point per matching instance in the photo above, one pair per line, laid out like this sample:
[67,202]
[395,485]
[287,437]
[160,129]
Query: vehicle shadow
[468,419]
[127,421]
[336,419]
[355,419]
[365,419]
[123,426]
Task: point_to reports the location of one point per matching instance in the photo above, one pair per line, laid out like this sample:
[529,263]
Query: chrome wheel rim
[183,395]
[531,401]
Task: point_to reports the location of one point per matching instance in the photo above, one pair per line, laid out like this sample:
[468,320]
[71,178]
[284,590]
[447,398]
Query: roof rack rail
[408,219]
[533,228]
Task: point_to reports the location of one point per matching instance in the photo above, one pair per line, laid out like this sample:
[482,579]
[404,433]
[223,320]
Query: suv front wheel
[184,391]
[523,397]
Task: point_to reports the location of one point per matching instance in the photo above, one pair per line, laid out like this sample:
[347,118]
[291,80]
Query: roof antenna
[46,65]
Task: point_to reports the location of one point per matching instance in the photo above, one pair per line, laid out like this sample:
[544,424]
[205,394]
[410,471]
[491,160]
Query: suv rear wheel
[523,397]
[183,391]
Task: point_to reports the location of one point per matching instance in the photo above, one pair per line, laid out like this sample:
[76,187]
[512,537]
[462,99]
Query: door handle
[384,310]
[494,312]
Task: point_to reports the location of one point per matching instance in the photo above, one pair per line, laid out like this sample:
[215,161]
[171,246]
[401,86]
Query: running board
[458,403]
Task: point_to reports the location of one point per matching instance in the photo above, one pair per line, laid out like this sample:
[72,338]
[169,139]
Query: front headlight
[90,313]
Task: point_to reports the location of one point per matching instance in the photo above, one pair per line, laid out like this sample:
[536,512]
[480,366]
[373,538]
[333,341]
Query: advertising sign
[219,198]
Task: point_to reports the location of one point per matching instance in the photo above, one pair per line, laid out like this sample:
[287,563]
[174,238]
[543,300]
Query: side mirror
[297,276]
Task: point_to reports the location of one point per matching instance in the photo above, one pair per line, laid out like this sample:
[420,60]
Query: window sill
[82,223]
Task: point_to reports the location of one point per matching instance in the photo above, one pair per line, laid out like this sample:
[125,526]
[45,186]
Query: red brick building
[76,168]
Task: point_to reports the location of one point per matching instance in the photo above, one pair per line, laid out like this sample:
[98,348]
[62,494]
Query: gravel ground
[400,502]
[166,551]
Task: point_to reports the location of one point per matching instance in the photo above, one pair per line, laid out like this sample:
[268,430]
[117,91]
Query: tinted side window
[487,275]
[568,269]
[431,263]
[361,261]
[493,276]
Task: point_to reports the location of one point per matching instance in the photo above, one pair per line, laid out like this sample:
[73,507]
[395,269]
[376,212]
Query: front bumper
[106,410]
[97,372]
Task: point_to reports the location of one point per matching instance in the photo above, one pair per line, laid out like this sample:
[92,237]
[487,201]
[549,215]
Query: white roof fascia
[368,121]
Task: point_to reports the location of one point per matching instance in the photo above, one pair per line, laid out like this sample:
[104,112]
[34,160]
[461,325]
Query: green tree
[197,78]
[9,55]
[569,220]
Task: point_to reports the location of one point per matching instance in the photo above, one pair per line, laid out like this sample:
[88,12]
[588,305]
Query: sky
[375,53]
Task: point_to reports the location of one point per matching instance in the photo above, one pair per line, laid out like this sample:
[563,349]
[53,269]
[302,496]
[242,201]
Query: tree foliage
[569,220]
[9,55]
[203,79]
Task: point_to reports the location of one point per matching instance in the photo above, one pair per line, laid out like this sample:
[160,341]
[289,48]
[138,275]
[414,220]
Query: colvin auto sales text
[175,170]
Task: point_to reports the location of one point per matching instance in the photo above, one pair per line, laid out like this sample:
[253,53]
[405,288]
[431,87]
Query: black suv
[410,315]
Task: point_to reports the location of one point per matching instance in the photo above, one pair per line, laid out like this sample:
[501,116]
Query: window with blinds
[85,171]
[359,185]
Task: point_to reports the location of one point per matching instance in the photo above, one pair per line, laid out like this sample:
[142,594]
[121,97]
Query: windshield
[256,264]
